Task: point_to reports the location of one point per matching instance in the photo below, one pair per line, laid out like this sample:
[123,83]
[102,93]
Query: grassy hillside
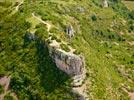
[105,36]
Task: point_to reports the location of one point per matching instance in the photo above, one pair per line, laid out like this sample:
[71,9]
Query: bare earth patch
[130,94]
[5,81]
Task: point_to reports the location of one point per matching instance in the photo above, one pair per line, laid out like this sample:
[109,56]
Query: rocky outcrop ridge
[68,62]
[72,64]
[70,31]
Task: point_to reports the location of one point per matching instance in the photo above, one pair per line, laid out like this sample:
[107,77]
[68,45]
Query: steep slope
[103,35]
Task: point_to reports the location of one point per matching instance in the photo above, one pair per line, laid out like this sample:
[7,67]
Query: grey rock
[71,64]
[30,36]
[70,31]
[105,3]
[80,9]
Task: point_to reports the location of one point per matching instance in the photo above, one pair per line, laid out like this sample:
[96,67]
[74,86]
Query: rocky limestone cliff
[68,62]
[73,65]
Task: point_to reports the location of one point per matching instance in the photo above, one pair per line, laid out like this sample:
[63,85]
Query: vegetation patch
[65,47]
[1,89]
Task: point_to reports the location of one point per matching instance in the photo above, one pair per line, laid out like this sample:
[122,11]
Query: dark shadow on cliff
[51,76]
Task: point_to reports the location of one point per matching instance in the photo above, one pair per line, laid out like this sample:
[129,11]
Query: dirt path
[44,22]
[131,94]
[17,7]
[80,90]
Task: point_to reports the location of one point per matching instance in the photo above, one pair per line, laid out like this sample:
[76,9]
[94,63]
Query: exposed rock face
[73,65]
[70,31]
[105,3]
[70,63]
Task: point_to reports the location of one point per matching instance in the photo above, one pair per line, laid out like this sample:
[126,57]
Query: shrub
[65,47]
[77,52]
[5,4]
[53,37]
[131,62]
[42,33]
[8,97]
[131,14]
[54,30]
[27,25]
[131,26]
[93,17]
[97,3]
[1,89]
[58,40]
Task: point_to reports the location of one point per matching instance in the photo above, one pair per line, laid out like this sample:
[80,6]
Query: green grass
[34,22]
[1,89]
[8,97]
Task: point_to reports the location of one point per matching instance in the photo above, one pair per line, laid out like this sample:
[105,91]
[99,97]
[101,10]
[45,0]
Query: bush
[93,17]
[116,1]
[54,30]
[131,26]
[27,25]
[121,9]
[1,89]
[5,4]
[53,37]
[77,52]
[65,47]
[8,97]
[131,14]
[97,3]
[42,33]
[58,40]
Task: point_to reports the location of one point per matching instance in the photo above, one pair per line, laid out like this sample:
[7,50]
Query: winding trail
[46,23]
[17,7]
[76,90]
[131,94]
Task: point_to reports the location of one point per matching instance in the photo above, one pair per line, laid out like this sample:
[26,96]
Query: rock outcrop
[73,65]
[105,3]
[68,62]
[70,31]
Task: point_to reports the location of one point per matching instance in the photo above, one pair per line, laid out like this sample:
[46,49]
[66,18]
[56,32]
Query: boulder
[105,3]
[70,31]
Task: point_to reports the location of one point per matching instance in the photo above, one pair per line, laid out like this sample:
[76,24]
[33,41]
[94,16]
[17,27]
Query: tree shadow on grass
[51,77]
